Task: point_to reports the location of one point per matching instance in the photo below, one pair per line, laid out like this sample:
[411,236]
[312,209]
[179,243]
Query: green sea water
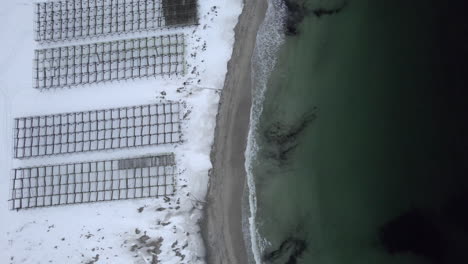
[357,129]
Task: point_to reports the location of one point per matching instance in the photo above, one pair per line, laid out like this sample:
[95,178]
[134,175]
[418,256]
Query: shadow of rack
[109,61]
[93,181]
[65,20]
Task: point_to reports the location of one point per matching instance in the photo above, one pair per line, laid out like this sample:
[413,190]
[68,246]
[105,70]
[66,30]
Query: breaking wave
[269,39]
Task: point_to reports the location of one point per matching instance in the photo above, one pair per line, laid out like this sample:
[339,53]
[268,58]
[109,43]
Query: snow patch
[130,231]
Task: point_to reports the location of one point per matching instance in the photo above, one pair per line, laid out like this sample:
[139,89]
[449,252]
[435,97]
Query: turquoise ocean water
[359,135]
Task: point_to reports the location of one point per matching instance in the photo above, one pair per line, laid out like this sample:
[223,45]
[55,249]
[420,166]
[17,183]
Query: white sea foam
[270,37]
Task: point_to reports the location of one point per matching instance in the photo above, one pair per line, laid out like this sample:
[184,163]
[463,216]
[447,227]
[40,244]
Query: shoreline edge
[221,226]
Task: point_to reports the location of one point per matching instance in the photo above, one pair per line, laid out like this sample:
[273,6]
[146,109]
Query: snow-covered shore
[118,231]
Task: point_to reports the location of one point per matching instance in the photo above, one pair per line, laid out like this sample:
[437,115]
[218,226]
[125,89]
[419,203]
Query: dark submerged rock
[281,133]
[413,232]
[319,12]
[288,253]
[297,11]
[285,136]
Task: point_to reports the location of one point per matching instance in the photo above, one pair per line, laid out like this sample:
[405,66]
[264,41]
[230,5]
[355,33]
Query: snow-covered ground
[129,231]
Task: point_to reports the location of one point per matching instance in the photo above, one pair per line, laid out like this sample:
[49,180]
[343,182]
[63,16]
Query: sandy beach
[222,225]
